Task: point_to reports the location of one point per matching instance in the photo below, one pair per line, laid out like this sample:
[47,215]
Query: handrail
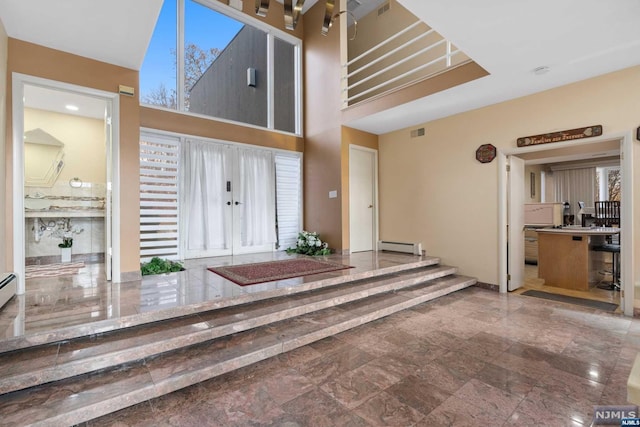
[397,61]
[401,76]
[396,64]
[391,52]
[362,55]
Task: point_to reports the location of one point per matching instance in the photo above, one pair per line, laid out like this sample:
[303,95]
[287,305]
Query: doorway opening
[606,150]
[65,138]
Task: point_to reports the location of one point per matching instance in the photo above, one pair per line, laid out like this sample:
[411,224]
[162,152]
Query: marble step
[30,367]
[82,398]
[107,325]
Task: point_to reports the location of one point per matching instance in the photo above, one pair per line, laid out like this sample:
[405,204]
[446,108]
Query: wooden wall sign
[565,135]
[485,153]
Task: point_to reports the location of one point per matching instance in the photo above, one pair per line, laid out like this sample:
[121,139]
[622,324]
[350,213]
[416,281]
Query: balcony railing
[412,54]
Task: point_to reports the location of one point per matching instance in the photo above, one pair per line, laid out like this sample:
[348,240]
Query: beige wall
[351,136]
[6,205]
[154,118]
[322,164]
[434,191]
[40,61]
[83,138]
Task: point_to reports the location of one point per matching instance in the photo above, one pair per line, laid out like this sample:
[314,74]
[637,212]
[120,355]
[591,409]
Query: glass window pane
[284,86]
[158,73]
[219,52]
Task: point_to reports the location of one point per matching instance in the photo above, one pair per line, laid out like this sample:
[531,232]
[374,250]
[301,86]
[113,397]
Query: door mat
[52,270]
[250,274]
[600,305]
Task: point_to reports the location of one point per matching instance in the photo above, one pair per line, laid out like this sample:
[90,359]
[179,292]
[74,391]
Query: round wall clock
[486,153]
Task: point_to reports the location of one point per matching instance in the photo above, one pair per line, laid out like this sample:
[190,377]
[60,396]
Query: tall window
[226,65]
[608,183]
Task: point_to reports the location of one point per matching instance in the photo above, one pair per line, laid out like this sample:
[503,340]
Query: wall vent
[417,132]
[383,9]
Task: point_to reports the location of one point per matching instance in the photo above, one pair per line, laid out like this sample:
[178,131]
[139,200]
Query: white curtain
[257,197]
[575,185]
[204,172]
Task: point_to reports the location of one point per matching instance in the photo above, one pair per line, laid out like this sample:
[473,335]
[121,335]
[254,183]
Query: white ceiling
[577,39]
[113,31]
[57,100]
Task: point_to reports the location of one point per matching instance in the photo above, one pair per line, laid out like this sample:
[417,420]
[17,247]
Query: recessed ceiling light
[541,70]
[71,107]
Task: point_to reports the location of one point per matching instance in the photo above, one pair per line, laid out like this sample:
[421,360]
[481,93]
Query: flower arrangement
[65,231]
[309,243]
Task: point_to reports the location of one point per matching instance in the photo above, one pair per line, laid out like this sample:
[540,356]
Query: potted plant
[65,249]
[65,231]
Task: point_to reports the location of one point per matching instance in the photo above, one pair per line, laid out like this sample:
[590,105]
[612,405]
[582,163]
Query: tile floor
[473,358]
[86,300]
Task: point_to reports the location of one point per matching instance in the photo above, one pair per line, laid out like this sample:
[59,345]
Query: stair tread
[74,358]
[94,394]
[384,268]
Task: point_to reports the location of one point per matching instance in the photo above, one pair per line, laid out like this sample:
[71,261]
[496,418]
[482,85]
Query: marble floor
[472,358]
[87,303]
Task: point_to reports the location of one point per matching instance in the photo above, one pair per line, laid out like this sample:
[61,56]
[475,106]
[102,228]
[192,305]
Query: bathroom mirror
[43,158]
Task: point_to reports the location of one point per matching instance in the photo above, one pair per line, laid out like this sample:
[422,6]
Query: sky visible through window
[205,28]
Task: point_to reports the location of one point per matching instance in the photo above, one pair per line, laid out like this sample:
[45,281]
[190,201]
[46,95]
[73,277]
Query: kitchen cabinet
[530,246]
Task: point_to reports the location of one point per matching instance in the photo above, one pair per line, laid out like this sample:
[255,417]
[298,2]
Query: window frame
[603,181]
[272,33]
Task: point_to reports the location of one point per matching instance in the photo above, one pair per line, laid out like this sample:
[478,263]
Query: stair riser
[130,355]
[184,380]
[143,318]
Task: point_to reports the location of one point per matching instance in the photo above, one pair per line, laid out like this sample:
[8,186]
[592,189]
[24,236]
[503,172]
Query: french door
[228,202]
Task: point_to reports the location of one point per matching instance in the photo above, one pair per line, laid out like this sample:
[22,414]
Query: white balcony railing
[413,54]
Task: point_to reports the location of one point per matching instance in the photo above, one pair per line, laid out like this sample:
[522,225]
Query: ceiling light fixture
[293,10]
[71,107]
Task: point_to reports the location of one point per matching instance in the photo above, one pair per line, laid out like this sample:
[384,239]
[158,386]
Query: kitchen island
[565,256]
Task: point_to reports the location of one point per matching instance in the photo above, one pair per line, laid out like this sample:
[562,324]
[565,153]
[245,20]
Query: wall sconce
[251,77]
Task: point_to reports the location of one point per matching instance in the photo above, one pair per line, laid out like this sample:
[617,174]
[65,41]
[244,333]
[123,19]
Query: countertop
[577,230]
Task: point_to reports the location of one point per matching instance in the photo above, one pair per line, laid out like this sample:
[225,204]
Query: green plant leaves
[160,266]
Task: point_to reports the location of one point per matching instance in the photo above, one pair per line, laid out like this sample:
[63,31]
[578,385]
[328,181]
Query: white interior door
[515,223]
[362,199]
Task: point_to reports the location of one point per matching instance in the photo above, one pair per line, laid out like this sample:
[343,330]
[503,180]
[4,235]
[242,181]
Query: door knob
[370,206]
[228,203]
[238,203]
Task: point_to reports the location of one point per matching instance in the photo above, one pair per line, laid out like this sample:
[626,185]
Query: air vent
[353,4]
[417,132]
[383,9]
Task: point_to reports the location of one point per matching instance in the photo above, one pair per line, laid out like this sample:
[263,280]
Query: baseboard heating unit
[8,284]
[410,248]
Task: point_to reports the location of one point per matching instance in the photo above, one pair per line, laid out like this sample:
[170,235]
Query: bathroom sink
[37,204]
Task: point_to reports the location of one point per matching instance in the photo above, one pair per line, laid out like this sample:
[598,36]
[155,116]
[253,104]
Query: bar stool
[614,250]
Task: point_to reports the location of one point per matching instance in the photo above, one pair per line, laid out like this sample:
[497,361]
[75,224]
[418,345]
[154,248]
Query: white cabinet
[543,214]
